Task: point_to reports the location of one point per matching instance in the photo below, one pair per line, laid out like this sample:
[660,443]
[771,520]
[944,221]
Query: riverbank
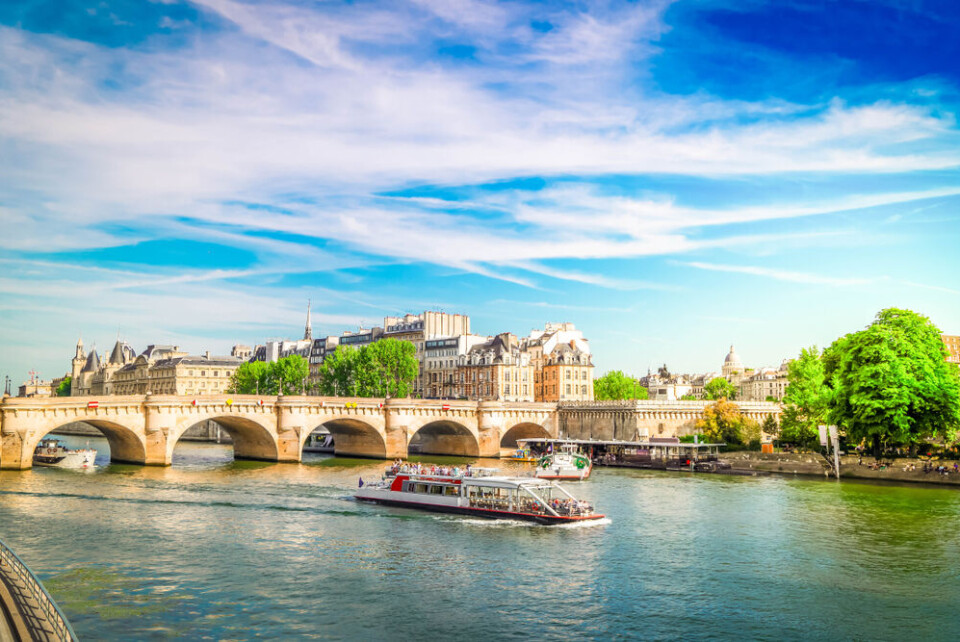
[851,467]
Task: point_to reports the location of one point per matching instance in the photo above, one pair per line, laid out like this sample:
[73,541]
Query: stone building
[766,384]
[566,375]
[440,360]
[953,347]
[160,369]
[561,359]
[418,328]
[495,370]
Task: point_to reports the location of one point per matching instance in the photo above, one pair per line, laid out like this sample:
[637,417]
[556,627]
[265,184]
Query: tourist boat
[50,452]
[478,492]
[568,463]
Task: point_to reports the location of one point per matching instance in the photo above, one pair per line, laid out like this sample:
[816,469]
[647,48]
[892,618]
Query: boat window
[420,488]
[436,490]
[451,491]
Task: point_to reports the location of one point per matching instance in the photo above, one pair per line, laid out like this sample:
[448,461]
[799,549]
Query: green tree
[806,400]
[388,367]
[338,373]
[719,388]
[251,378]
[63,390]
[288,375]
[616,385]
[770,427]
[722,422]
[891,383]
[688,398]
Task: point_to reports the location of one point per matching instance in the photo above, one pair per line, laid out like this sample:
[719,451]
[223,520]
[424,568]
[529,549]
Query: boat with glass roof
[478,492]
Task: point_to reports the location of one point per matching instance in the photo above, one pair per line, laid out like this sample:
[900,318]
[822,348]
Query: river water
[215,549]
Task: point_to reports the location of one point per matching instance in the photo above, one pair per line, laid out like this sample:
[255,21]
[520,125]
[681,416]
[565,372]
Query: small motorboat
[50,452]
[524,454]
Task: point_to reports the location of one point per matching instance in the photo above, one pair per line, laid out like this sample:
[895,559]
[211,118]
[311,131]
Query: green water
[216,549]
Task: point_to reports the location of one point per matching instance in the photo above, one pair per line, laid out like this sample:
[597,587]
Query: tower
[308,329]
[78,360]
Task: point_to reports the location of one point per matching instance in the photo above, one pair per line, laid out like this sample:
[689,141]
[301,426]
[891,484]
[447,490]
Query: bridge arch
[125,442]
[352,437]
[444,437]
[523,430]
[251,438]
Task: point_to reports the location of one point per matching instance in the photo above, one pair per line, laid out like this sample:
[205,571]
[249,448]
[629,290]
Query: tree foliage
[722,422]
[616,385]
[719,388]
[257,377]
[806,400]
[385,368]
[288,375]
[63,390]
[251,378]
[891,384]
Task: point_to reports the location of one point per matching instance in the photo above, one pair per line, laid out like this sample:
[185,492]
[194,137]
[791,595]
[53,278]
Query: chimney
[206,355]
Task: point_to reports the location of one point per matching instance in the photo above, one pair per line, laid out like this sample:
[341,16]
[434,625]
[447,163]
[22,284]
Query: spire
[308,329]
[80,353]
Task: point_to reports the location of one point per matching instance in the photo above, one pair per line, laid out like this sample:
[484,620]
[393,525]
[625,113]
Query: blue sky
[673,177]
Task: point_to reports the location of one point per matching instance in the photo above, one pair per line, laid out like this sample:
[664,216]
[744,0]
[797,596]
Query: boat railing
[40,613]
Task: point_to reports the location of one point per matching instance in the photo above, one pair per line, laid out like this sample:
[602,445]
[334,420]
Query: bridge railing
[26,586]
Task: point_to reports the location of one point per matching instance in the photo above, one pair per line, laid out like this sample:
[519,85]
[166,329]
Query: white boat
[478,492]
[50,452]
[566,464]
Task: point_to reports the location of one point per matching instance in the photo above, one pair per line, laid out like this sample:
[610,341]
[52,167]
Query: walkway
[27,612]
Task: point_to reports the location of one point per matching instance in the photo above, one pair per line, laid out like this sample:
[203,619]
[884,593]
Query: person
[361,483]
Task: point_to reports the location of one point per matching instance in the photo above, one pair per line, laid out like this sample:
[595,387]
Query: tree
[388,368]
[806,400]
[891,382]
[616,385]
[719,388]
[251,378]
[770,427]
[338,372]
[722,422]
[63,390]
[288,375]
[688,398]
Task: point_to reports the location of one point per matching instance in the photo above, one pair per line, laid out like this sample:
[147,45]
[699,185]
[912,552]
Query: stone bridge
[144,429]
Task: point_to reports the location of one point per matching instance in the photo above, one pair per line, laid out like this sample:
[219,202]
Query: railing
[46,622]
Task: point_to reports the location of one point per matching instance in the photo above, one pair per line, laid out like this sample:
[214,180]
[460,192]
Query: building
[732,369]
[319,351]
[567,375]
[562,363]
[418,328]
[766,384]
[441,357]
[95,376]
[38,388]
[495,370]
[160,369]
[953,347]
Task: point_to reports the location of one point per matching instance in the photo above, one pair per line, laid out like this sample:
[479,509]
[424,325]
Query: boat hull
[485,513]
[76,459]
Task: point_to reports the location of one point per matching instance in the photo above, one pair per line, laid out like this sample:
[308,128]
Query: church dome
[732,358]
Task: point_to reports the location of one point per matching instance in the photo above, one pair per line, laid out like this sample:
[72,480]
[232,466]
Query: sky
[672,177]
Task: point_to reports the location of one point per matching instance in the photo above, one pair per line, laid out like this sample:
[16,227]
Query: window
[506,388]
[568,375]
[203,373]
[568,388]
[583,390]
[524,390]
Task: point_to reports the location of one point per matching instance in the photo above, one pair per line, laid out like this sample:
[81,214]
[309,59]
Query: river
[216,549]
